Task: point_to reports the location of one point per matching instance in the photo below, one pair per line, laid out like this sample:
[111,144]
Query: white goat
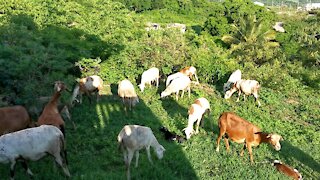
[182,83]
[195,114]
[203,102]
[33,144]
[234,77]
[127,93]
[248,87]
[87,85]
[148,77]
[190,71]
[133,138]
[172,77]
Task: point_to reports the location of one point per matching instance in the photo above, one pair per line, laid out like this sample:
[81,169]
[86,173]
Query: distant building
[311,6]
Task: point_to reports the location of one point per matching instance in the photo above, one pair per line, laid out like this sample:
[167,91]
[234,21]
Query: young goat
[33,144]
[182,83]
[242,131]
[87,85]
[287,170]
[133,138]
[148,77]
[234,77]
[195,115]
[13,119]
[248,87]
[171,136]
[127,93]
[50,114]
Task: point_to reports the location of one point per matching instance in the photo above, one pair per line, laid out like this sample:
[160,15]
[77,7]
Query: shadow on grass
[289,152]
[96,139]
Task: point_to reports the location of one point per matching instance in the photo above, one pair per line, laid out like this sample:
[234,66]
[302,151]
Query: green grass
[93,150]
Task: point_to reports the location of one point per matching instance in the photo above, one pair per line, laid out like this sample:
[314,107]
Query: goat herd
[20,143]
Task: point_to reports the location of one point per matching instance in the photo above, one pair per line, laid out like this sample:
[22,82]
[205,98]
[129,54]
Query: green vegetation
[42,41]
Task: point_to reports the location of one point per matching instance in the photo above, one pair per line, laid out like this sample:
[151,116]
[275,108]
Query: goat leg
[25,166]
[137,158]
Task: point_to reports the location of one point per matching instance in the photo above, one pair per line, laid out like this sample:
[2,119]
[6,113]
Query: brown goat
[190,71]
[287,170]
[13,119]
[242,131]
[50,114]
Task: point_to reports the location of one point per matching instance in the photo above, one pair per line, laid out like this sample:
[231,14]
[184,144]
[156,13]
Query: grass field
[93,150]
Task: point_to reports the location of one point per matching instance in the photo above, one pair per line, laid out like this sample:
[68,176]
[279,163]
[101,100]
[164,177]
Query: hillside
[43,41]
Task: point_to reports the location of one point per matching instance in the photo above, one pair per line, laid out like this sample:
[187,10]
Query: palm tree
[251,40]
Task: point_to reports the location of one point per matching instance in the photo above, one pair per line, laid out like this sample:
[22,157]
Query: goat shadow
[107,119]
[288,151]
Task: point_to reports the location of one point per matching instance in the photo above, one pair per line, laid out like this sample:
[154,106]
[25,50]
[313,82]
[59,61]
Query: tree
[251,42]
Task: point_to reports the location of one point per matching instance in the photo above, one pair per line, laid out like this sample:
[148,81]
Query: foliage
[43,41]
[251,42]
[40,41]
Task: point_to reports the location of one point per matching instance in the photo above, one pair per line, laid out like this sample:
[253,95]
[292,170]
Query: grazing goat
[172,77]
[287,170]
[13,119]
[190,71]
[127,93]
[33,144]
[171,136]
[133,138]
[182,83]
[50,114]
[204,103]
[242,131]
[87,85]
[195,115]
[234,77]
[148,77]
[248,87]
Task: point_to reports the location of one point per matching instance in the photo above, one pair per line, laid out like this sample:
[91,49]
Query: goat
[63,108]
[182,83]
[50,114]
[287,170]
[247,87]
[13,119]
[133,138]
[204,103]
[190,71]
[234,77]
[172,77]
[87,85]
[127,93]
[195,115]
[148,77]
[33,144]
[171,136]
[242,131]
[182,27]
